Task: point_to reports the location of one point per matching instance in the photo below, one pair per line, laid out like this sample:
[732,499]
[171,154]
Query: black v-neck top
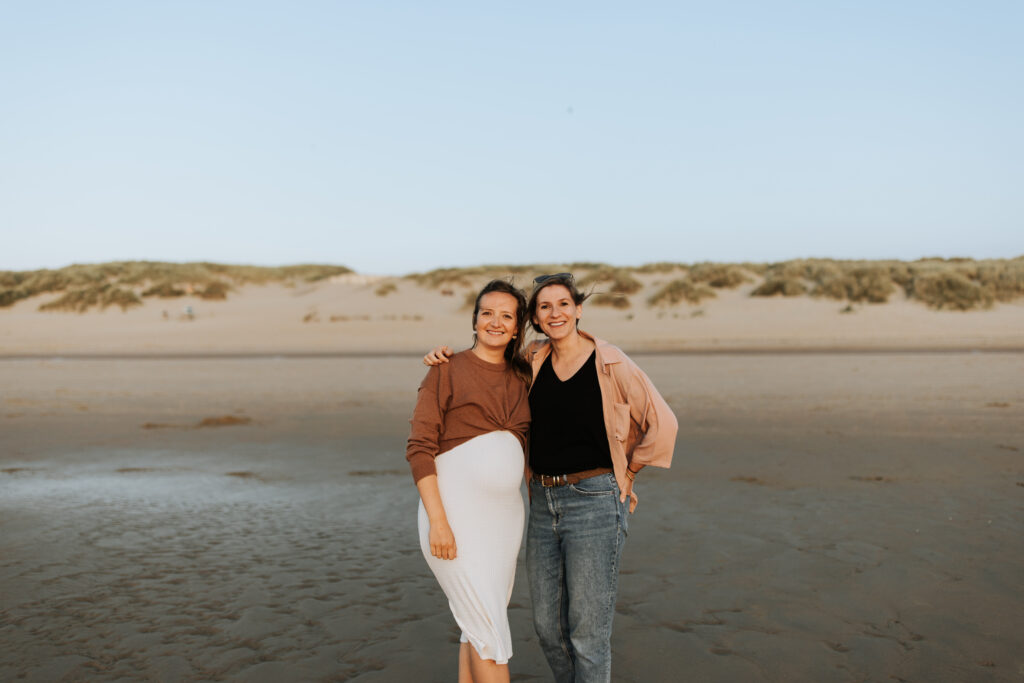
[567,432]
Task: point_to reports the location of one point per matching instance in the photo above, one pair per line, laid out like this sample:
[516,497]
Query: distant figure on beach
[466,451]
[597,420]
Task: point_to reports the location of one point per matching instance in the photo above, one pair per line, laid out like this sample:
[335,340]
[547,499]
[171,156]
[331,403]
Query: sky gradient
[399,137]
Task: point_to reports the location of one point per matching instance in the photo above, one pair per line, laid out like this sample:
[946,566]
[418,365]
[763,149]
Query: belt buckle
[554,478]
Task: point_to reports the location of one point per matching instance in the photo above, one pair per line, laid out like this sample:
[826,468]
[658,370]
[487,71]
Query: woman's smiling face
[496,319]
[556,312]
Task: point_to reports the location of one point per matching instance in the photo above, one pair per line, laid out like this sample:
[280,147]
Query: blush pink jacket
[640,425]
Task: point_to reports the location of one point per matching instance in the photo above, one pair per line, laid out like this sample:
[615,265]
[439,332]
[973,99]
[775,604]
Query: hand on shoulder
[438,355]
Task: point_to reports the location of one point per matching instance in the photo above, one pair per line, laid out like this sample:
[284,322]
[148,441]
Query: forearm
[430,494]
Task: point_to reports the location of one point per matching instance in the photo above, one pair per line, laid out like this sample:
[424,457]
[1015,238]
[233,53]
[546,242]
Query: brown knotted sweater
[461,399]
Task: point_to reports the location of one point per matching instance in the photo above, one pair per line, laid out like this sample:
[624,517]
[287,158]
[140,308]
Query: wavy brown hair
[513,350]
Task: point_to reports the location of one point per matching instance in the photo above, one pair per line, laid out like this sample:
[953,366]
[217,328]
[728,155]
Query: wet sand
[829,517]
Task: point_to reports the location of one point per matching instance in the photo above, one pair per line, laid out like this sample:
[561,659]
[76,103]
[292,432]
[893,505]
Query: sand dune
[347,315]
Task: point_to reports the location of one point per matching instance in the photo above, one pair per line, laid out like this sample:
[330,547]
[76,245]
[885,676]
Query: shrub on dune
[81,300]
[872,284]
[900,273]
[118,296]
[116,283]
[950,290]
[164,290]
[448,277]
[216,290]
[819,271]
[783,270]
[26,284]
[785,286]
[718,275]
[78,300]
[472,276]
[311,272]
[620,279]
[683,289]
[577,266]
[658,268]
[609,299]
[1004,280]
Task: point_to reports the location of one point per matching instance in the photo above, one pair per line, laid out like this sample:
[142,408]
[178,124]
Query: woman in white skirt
[466,454]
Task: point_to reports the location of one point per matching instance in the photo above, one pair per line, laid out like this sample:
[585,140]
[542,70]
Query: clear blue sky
[395,137]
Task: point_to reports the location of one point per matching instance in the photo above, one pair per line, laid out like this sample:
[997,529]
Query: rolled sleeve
[658,424]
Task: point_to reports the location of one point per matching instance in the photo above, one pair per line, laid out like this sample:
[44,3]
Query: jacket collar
[606,353]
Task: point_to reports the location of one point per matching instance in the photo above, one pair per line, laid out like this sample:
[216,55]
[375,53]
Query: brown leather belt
[549,480]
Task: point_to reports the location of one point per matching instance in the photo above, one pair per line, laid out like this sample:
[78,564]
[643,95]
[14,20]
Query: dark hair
[513,355]
[542,281]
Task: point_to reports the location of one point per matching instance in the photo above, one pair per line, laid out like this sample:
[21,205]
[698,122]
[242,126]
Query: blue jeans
[573,547]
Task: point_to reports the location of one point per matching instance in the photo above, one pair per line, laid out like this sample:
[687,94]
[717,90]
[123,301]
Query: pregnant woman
[466,454]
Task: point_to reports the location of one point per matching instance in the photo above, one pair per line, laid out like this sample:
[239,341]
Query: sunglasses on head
[541,279]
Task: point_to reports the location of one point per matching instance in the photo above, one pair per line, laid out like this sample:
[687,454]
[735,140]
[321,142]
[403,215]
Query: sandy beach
[829,517]
[197,490]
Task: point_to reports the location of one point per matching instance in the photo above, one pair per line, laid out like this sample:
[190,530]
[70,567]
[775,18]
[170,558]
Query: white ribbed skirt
[479,482]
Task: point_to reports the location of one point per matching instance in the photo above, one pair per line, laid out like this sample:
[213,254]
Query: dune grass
[125,283]
[521,275]
[165,290]
[950,290]
[101,296]
[944,284]
[617,280]
[783,286]
[718,275]
[659,268]
[609,299]
[955,284]
[216,290]
[472,276]
[682,289]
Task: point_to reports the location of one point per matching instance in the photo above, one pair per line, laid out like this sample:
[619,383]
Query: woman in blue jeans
[597,420]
